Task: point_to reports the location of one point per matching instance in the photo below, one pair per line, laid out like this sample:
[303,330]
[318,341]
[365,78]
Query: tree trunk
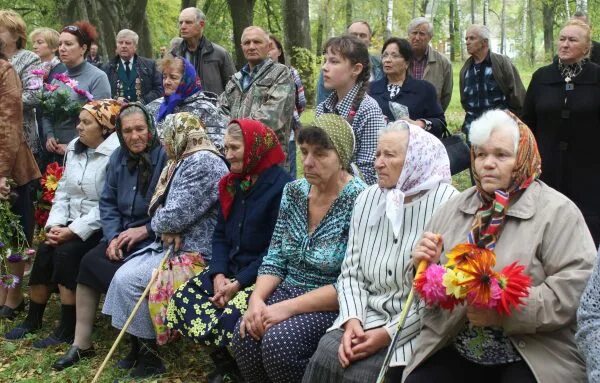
[323,26]
[389,19]
[582,5]
[503,28]
[486,12]
[348,12]
[548,21]
[296,26]
[568,11]
[414,9]
[530,22]
[423,8]
[241,16]
[451,20]
[459,31]
[188,3]
[472,11]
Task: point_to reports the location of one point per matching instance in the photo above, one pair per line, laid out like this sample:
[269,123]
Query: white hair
[482,128]
[394,126]
[129,35]
[418,21]
[199,14]
[482,31]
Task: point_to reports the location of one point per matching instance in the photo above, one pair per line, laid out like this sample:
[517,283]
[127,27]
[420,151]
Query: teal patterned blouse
[314,260]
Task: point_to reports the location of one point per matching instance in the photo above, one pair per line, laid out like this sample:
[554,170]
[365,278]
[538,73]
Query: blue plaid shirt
[368,120]
[248,75]
[482,92]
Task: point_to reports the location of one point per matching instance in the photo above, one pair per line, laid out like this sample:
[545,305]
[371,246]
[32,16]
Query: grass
[185,361]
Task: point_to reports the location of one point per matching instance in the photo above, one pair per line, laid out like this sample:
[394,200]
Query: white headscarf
[426,165]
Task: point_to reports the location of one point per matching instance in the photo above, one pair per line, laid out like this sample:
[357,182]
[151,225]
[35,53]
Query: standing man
[263,90]
[488,80]
[427,63]
[93,57]
[361,30]
[595,53]
[212,62]
[132,77]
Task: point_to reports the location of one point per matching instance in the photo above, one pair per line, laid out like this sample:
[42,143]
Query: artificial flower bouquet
[469,277]
[45,196]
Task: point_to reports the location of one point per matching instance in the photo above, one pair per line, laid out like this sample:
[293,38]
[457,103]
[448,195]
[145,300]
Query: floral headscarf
[105,112]
[261,151]
[189,84]
[490,217]
[426,165]
[184,135]
[341,135]
[141,161]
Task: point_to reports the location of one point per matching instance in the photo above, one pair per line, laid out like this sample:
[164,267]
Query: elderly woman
[131,178]
[512,213]
[588,320]
[207,308]
[73,44]
[183,93]
[562,108]
[184,213]
[73,227]
[413,180]
[416,98]
[294,300]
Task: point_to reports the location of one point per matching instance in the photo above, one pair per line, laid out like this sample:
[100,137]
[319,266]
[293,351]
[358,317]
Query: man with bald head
[263,90]
[212,62]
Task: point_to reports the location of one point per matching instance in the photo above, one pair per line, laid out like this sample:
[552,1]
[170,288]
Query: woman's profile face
[234,153]
[495,160]
[320,164]
[90,132]
[389,157]
[338,71]
[41,48]
[172,76]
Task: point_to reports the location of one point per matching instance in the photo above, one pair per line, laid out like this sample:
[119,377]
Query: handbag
[459,152]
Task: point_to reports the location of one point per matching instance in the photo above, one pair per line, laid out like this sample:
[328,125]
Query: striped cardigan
[371,287]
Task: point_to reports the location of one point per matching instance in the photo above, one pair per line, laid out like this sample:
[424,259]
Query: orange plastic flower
[463,255]
[479,286]
[515,286]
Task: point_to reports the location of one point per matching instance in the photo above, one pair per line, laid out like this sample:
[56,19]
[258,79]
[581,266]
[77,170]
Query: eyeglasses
[393,56]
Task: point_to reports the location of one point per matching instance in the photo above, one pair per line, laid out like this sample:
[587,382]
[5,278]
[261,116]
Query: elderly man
[361,30]
[132,77]
[93,57]
[263,90]
[212,62]
[488,80]
[427,63]
[595,53]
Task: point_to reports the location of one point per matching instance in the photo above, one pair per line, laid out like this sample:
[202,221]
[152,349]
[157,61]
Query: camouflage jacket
[269,98]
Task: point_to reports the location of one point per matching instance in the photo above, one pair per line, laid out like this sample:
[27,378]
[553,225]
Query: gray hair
[131,110]
[482,31]
[234,130]
[419,21]
[395,126]
[482,128]
[129,35]
[200,16]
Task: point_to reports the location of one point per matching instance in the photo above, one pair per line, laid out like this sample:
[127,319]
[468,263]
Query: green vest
[126,87]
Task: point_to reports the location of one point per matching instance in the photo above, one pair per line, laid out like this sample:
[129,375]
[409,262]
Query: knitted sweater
[588,321]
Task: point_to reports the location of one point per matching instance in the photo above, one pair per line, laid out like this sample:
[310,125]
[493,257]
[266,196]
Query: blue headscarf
[189,84]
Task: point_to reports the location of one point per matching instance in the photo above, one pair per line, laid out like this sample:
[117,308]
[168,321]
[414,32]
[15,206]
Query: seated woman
[588,320]
[183,93]
[131,178]
[294,300]
[184,213]
[514,214]
[207,308]
[413,180]
[73,227]
[418,96]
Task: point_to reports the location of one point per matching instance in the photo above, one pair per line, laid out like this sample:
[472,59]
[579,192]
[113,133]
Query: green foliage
[162,17]
[307,64]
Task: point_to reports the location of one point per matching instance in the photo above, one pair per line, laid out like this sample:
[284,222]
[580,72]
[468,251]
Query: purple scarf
[189,84]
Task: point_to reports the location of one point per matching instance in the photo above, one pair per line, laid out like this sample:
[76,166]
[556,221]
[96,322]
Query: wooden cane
[135,309]
[403,315]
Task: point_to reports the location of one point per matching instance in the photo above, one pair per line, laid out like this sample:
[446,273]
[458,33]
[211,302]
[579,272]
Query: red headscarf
[261,151]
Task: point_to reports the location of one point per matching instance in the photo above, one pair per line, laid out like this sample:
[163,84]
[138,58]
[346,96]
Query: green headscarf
[341,134]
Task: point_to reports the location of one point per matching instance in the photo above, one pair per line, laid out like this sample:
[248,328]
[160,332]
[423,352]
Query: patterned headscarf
[490,217]
[140,161]
[105,112]
[261,151]
[341,134]
[189,84]
[184,135]
[426,165]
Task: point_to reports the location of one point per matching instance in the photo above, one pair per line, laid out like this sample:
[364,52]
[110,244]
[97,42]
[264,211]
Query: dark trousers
[448,366]
[23,207]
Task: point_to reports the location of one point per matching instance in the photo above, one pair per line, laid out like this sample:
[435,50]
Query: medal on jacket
[569,85]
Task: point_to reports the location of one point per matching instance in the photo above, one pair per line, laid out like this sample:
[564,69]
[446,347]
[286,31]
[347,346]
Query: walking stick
[403,315]
[133,312]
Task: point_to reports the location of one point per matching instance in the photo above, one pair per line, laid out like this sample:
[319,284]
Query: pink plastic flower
[430,284]
[51,87]
[39,72]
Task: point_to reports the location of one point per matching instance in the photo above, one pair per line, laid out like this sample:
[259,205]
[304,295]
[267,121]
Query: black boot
[130,359]
[65,331]
[148,362]
[32,323]
[225,366]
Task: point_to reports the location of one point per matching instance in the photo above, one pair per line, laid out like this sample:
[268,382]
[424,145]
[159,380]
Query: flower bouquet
[45,196]
[469,277]
[55,100]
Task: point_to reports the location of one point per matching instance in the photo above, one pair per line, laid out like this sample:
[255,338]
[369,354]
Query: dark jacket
[240,243]
[595,54]
[568,144]
[215,66]
[149,75]
[418,96]
[122,206]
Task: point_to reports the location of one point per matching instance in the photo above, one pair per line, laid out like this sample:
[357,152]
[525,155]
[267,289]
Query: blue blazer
[122,206]
[241,242]
[418,96]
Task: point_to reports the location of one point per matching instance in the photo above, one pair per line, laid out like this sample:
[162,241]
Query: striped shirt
[371,286]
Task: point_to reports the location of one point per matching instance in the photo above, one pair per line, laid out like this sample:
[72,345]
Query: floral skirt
[191,313]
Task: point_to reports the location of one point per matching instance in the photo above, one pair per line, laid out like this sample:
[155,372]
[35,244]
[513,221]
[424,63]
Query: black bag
[458,151]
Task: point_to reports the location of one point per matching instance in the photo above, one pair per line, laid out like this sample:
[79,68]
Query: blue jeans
[292,158]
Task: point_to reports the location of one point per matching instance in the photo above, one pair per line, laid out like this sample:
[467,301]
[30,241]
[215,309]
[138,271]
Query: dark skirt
[193,315]
[60,265]
[96,270]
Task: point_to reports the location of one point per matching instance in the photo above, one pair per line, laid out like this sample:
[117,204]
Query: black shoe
[225,367]
[10,313]
[74,355]
[21,331]
[130,359]
[52,340]
[149,363]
